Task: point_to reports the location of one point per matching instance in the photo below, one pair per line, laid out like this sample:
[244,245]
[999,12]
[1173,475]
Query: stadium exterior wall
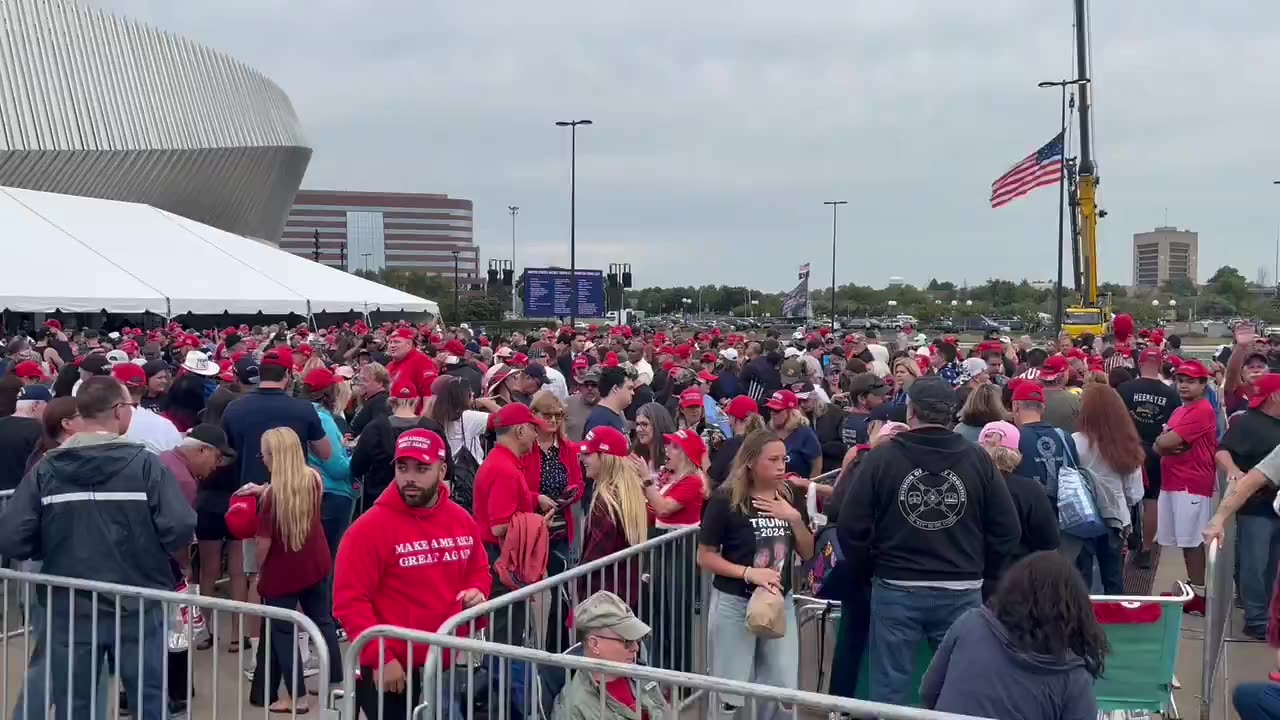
[97,105]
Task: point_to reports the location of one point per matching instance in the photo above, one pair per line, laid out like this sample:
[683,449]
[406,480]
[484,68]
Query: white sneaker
[310,663]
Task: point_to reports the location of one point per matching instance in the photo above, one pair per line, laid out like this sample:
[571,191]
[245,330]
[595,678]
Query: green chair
[1139,674]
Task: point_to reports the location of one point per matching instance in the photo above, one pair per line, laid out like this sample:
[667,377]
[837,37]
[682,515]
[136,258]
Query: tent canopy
[76,254]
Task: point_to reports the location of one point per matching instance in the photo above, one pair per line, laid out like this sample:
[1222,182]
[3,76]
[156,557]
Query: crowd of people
[398,474]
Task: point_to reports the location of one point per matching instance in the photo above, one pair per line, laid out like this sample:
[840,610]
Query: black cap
[232,340]
[211,434]
[96,364]
[537,372]
[247,371]
[933,392]
[155,367]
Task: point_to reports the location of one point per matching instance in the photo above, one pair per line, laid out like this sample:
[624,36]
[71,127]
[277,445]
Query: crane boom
[1088,176]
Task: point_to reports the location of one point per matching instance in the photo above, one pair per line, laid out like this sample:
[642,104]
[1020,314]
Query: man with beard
[584,398]
[413,560]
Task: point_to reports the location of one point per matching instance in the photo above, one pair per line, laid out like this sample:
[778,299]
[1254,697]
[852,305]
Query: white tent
[77,254]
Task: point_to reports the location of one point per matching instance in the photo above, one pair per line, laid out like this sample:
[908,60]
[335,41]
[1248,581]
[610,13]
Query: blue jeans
[900,618]
[1257,701]
[1259,551]
[1105,549]
[140,658]
[335,518]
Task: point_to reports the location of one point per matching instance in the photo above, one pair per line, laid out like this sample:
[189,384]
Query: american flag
[1040,168]
[804,271]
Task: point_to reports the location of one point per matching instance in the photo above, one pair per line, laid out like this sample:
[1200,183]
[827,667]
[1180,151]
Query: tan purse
[765,614]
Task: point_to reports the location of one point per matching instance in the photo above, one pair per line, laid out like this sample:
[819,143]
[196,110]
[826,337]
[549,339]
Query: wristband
[746,570]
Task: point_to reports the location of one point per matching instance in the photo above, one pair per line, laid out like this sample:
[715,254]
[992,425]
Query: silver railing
[557,679]
[84,632]
[1218,602]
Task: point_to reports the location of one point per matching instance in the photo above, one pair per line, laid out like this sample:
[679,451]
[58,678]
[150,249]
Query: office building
[97,105]
[1165,254]
[382,230]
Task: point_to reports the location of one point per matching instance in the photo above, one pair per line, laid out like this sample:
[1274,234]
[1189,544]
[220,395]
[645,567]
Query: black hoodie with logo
[928,506]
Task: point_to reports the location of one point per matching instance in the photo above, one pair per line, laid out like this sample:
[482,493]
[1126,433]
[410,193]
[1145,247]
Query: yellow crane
[1093,314]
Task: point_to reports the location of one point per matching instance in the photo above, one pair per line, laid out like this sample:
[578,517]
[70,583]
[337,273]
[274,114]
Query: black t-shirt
[18,438]
[246,419]
[752,540]
[856,429]
[1151,403]
[601,415]
[1250,437]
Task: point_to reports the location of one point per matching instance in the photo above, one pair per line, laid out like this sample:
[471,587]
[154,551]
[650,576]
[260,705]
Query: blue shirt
[802,449]
[1044,449]
[246,419]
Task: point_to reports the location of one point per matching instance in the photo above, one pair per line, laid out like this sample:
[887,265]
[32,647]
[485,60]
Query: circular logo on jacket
[932,501]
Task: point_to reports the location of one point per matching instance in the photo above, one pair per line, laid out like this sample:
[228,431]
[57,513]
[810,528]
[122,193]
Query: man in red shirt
[410,362]
[412,560]
[501,492]
[1186,448]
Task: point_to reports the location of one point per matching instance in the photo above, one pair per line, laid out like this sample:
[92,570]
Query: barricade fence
[504,681]
[97,650]
[1218,605]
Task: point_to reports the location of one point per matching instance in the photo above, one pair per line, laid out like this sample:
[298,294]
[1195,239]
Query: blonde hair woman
[804,450]
[618,515]
[905,372]
[294,562]
[752,528]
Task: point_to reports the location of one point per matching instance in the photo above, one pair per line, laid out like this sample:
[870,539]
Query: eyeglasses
[130,403]
[549,415]
[632,645]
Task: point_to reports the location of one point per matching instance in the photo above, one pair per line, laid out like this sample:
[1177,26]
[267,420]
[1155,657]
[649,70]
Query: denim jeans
[738,654]
[140,658]
[1257,701]
[335,518]
[285,665]
[1105,549]
[1259,551]
[33,696]
[900,618]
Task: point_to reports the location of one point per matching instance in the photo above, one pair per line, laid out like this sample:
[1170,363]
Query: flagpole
[1062,205]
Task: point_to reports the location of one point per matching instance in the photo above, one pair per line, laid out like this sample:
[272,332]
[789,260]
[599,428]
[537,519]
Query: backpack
[465,467]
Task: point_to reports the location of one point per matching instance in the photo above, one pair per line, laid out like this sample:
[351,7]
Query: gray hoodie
[978,671]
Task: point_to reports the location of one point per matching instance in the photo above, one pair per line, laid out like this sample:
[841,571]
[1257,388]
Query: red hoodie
[405,566]
[417,368]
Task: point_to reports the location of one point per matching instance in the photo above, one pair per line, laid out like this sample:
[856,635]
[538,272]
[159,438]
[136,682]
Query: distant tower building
[1165,254]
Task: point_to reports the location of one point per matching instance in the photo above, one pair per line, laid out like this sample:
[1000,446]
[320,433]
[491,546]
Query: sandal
[289,709]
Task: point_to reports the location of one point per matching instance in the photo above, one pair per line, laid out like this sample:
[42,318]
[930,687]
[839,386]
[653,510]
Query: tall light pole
[456,316]
[573,198]
[514,210]
[1062,190]
[835,206]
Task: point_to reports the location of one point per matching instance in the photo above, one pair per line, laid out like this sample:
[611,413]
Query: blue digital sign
[548,293]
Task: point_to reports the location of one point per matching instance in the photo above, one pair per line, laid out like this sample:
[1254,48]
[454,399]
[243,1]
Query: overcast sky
[720,128]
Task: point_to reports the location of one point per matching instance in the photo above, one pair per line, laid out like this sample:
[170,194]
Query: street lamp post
[456,316]
[835,206]
[514,210]
[1062,190]
[573,200]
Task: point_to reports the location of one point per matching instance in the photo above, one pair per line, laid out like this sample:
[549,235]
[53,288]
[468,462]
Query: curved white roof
[78,254]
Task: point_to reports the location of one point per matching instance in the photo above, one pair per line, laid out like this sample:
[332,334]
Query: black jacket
[375,406]
[472,375]
[99,508]
[1037,515]
[928,506]
[760,378]
[375,452]
[829,427]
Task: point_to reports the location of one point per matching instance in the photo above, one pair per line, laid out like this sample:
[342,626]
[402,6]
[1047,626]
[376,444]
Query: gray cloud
[721,127]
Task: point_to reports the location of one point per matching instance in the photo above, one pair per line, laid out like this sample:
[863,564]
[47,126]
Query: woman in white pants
[752,528]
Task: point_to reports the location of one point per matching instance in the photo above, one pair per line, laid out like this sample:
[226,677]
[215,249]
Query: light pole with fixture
[835,206]
[514,210]
[1062,188]
[573,212]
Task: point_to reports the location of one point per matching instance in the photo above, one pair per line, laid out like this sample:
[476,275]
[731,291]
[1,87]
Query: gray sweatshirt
[977,671]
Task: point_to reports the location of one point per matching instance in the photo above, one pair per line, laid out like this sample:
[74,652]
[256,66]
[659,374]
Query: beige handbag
[765,614]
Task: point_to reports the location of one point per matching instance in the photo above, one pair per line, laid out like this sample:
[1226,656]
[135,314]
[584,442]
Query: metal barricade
[1218,602]
[84,633]
[452,694]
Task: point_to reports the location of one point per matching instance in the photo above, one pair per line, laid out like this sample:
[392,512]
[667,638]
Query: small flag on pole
[1040,168]
[804,271]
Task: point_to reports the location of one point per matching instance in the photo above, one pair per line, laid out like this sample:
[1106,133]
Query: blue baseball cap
[35,392]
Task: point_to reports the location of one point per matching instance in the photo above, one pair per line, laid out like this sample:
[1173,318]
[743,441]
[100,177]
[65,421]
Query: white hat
[200,364]
[791,352]
[115,357]
[923,352]
[729,354]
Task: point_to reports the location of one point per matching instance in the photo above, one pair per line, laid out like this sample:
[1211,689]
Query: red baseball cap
[29,370]
[1193,369]
[1028,391]
[708,357]
[455,348]
[707,377]
[691,398]
[1151,356]
[512,415]
[242,517]
[319,379]
[783,400]
[133,376]
[1053,368]
[403,389]
[420,444]
[404,334]
[607,440]
[581,362]
[690,443]
[227,371]
[277,358]
[1263,388]
[742,407]
[304,350]
[55,324]
[1075,354]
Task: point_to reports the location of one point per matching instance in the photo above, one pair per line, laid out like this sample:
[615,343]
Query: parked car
[1014,324]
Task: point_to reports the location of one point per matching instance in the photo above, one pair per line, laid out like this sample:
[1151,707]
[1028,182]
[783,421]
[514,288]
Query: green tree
[479,308]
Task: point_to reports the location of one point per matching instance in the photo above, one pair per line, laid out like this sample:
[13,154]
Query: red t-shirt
[285,571]
[500,492]
[688,492]
[1192,470]
[620,689]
